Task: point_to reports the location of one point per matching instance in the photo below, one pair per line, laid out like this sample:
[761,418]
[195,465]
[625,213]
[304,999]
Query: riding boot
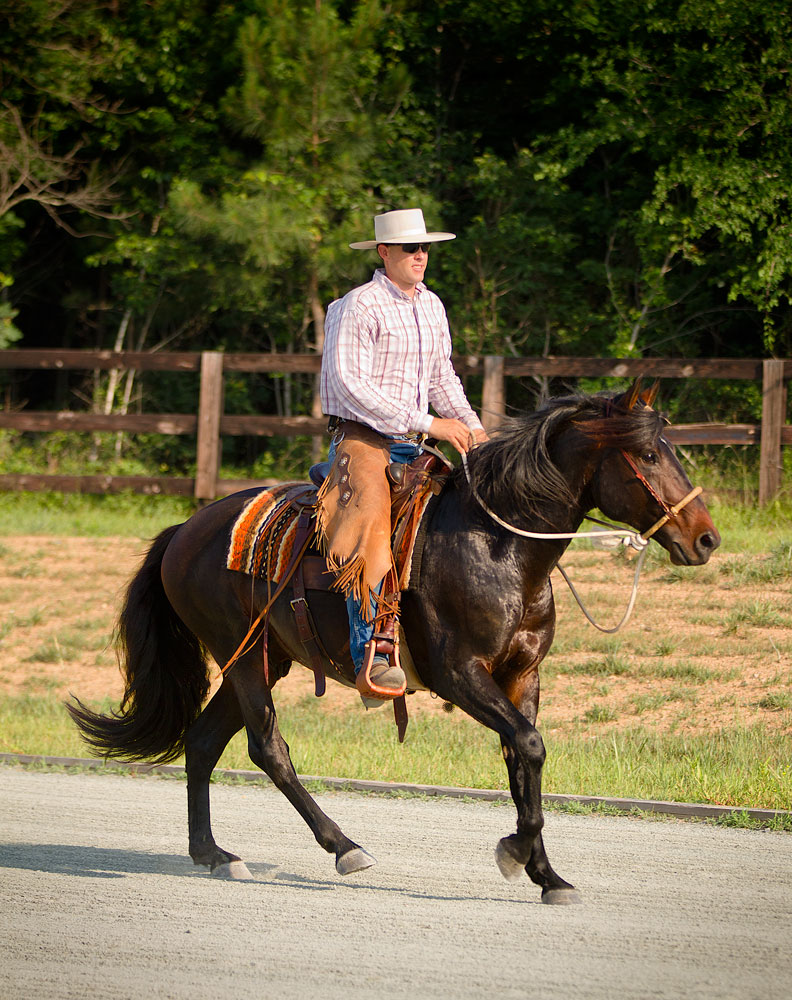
[381,675]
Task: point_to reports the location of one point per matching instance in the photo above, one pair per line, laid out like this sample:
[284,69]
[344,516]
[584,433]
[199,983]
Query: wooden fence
[211,422]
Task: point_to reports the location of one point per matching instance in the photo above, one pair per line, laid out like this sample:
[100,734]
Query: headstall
[669,511]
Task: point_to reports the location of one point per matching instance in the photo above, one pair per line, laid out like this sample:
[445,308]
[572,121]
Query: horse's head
[639,480]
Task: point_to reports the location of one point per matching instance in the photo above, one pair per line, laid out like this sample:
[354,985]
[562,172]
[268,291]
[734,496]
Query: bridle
[669,511]
[638,541]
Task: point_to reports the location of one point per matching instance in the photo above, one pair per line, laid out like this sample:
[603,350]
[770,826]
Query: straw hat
[404,226]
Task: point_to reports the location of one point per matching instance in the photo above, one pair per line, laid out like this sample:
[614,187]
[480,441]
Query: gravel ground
[98,898]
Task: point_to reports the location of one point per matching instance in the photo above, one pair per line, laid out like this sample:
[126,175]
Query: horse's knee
[535,748]
[258,750]
[530,747]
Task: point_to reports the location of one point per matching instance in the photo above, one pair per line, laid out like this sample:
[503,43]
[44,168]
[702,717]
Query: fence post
[493,395]
[210,409]
[773,416]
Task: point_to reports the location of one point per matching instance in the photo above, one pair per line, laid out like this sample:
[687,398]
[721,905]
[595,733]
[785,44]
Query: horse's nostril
[707,541]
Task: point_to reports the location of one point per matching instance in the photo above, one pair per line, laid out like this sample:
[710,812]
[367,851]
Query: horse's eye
[650,458]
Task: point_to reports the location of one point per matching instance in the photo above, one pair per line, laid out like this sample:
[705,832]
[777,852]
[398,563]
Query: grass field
[692,701]
[740,767]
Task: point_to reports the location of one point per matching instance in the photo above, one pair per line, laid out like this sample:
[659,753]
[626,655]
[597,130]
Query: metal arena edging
[683,810]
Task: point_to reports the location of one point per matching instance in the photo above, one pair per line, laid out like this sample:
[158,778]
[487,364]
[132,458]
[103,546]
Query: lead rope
[635,540]
[630,604]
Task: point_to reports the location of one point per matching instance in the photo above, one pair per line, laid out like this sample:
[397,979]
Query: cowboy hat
[405,226]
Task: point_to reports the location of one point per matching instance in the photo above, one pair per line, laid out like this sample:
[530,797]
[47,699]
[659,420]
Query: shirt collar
[381,278]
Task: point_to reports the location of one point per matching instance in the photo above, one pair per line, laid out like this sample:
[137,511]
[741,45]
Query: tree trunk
[113,379]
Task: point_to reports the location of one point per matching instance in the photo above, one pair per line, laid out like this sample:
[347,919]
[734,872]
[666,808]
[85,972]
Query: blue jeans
[360,631]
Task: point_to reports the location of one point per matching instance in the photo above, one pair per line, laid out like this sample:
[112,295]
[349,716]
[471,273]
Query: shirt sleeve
[446,393]
[347,362]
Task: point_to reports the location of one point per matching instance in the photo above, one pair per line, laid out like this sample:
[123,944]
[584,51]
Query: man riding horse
[387,358]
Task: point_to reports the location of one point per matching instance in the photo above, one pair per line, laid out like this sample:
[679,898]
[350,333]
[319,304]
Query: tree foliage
[189,174]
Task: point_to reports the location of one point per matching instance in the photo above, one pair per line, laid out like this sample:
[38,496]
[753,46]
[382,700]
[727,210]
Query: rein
[635,540]
[243,647]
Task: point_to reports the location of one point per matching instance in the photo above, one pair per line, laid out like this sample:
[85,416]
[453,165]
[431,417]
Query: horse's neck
[565,518]
[539,553]
[539,556]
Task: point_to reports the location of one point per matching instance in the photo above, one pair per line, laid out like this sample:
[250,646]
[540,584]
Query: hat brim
[420,238]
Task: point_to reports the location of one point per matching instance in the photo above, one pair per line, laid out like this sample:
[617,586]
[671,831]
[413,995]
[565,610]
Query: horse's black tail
[165,672]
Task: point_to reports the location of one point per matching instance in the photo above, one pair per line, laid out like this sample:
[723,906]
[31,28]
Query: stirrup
[366,686]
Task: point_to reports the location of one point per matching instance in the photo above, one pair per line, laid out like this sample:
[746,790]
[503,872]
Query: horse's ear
[631,397]
[649,395]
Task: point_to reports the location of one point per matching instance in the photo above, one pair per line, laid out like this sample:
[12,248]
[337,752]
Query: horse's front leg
[473,689]
[521,685]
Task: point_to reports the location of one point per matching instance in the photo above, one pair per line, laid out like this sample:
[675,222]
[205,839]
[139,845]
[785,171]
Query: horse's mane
[514,472]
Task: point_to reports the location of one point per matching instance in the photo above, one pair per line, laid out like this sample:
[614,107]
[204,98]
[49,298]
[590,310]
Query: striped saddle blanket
[262,539]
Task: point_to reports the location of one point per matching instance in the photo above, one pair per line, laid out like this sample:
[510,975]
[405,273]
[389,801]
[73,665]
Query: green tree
[691,99]
[616,175]
[316,95]
[52,62]
[515,284]
[657,151]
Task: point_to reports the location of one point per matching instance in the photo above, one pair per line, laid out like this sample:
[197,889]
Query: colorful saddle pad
[262,539]
[264,532]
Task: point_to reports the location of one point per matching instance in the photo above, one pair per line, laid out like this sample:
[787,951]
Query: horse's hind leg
[204,743]
[269,751]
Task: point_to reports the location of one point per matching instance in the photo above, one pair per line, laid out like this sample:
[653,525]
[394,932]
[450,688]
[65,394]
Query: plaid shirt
[387,357]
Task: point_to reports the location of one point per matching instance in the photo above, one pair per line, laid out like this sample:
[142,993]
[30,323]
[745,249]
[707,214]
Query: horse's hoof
[561,897]
[236,871]
[510,868]
[355,860]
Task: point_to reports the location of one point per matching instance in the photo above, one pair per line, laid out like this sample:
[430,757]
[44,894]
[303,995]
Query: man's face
[405,270]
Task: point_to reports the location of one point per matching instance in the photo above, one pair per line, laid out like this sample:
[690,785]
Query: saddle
[282,535]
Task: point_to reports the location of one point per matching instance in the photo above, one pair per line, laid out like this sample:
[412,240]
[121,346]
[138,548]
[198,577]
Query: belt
[415,437]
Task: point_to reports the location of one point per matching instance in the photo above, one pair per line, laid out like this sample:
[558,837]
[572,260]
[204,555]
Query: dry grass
[707,649]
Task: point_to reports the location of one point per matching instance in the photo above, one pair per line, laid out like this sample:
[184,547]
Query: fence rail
[210,423]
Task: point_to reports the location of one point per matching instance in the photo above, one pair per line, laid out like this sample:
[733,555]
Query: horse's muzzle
[704,544]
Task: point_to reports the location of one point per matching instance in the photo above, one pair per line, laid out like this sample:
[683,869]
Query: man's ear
[382,250]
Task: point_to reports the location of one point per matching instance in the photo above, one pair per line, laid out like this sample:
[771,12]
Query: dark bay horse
[478,616]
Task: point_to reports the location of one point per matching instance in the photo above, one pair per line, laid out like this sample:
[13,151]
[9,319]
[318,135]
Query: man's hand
[456,433]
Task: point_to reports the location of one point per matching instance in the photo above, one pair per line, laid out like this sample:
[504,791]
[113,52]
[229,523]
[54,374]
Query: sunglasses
[411,248]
